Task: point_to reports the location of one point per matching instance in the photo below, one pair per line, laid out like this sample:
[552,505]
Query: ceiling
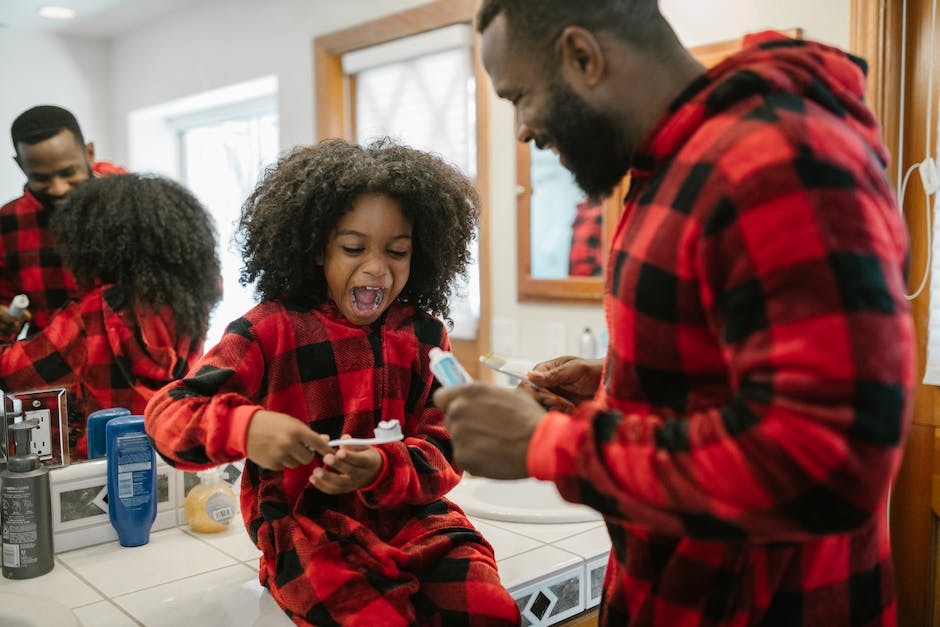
[96,18]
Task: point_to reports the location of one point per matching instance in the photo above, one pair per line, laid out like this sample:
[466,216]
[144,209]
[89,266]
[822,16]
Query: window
[216,143]
[222,155]
[420,91]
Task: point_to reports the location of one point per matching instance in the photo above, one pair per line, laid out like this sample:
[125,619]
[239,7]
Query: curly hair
[148,236]
[289,218]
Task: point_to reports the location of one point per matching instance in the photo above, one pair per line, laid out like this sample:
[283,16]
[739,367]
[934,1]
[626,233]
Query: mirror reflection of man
[742,434]
[51,151]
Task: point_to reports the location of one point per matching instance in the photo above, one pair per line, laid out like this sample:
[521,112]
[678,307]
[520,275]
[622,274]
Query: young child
[352,251]
[142,250]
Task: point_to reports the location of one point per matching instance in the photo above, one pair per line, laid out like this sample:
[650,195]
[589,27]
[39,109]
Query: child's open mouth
[367,299]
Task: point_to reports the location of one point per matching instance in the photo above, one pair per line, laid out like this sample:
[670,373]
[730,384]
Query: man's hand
[490,428]
[9,326]
[574,378]
[277,441]
[349,469]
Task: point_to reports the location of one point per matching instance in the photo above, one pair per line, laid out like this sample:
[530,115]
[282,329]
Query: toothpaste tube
[447,369]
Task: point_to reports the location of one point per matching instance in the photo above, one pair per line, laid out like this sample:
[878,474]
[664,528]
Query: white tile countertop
[182,577]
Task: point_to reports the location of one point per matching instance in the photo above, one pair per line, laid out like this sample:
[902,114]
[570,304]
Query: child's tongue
[365,298]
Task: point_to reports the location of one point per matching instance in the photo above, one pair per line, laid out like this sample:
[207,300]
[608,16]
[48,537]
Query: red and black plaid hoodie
[587,233]
[104,356]
[337,559]
[29,261]
[759,379]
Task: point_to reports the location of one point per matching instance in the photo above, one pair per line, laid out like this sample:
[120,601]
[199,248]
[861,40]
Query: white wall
[215,43]
[41,68]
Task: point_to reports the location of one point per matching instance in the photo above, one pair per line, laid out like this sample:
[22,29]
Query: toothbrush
[494,362]
[386,431]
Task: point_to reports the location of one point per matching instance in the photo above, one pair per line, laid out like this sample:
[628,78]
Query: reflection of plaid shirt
[105,357]
[761,364]
[333,559]
[586,235]
[29,262]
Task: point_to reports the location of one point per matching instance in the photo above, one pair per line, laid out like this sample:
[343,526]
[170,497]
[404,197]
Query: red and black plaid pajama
[759,381]
[587,234]
[29,261]
[394,553]
[105,357]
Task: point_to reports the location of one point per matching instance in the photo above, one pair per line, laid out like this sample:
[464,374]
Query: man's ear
[16,158]
[90,152]
[582,58]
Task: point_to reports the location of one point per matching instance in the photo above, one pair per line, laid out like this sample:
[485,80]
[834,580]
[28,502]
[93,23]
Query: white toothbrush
[495,362]
[386,431]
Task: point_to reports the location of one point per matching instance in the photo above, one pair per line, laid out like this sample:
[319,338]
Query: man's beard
[53,202]
[587,142]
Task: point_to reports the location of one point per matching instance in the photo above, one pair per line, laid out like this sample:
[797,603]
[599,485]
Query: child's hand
[347,470]
[277,441]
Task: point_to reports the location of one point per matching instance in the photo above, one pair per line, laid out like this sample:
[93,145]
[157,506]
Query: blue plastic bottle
[97,443]
[132,480]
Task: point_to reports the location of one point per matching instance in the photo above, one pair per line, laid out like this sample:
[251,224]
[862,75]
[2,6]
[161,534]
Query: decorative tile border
[594,582]
[552,599]
[80,507]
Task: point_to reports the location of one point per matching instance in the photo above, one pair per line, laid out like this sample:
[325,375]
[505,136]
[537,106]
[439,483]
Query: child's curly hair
[150,237]
[287,221]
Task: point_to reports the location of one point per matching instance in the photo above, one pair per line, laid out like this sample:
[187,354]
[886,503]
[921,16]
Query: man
[759,378]
[52,153]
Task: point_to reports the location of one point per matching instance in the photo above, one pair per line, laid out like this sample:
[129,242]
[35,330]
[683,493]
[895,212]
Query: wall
[214,43]
[42,68]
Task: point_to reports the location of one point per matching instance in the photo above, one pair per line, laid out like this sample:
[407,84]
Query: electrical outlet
[50,439]
[41,442]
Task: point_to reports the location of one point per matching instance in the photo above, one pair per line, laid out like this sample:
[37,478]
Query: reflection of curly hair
[287,221]
[148,236]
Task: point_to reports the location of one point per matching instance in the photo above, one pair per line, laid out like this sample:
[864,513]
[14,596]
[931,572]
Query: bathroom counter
[181,577]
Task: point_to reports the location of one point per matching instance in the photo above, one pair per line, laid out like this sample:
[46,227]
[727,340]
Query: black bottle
[27,510]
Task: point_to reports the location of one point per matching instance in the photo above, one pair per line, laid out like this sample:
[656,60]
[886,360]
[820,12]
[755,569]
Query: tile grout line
[104,597]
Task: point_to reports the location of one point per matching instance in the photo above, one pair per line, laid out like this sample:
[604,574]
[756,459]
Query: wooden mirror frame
[579,290]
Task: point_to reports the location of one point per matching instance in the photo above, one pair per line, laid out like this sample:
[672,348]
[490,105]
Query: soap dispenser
[26,503]
[210,505]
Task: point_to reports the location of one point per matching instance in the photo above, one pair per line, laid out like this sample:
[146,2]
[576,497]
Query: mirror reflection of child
[353,251]
[142,250]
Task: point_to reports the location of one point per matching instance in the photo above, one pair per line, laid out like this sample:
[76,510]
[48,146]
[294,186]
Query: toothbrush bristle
[493,360]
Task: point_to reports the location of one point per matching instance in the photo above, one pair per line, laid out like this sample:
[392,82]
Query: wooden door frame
[876,35]
[334,118]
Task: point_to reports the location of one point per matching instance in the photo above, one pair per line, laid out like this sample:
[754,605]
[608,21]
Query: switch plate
[556,339]
[51,438]
[504,337]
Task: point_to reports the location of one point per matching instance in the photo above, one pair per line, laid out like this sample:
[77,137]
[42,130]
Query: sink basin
[521,500]
[26,610]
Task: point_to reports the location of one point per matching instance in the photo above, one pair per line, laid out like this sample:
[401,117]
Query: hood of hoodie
[144,344]
[769,63]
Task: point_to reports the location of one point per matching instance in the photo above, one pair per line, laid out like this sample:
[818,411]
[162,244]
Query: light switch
[504,337]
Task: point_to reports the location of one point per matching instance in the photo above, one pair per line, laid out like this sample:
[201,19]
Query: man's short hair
[42,122]
[539,23]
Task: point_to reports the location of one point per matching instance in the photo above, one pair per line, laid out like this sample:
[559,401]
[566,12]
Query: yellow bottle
[210,504]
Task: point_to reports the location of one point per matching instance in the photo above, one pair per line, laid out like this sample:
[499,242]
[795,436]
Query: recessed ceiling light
[57,13]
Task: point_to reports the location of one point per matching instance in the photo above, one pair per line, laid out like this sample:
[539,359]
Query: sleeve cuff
[383,471]
[542,459]
[238,432]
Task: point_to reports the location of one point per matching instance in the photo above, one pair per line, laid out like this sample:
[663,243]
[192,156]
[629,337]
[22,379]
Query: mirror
[561,258]
[562,237]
